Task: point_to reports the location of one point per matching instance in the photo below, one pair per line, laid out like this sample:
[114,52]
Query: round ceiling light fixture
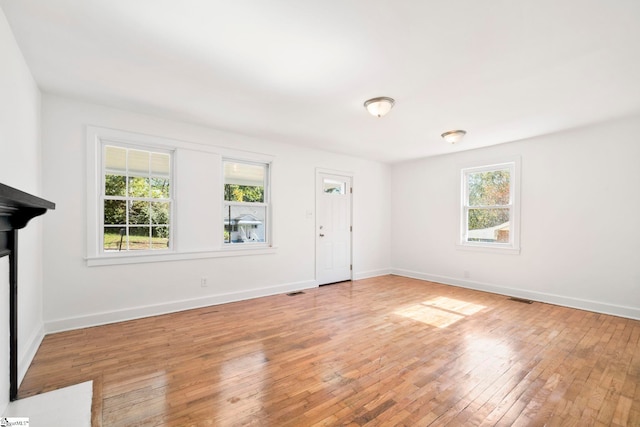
[454,136]
[379,106]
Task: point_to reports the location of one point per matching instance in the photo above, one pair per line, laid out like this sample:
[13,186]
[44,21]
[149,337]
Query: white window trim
[268,243]
[513,164]
[135,258]
[97,139]
[94,257]
[102,197]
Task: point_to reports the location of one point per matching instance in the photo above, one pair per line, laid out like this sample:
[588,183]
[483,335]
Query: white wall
[76,295]
[579,220]
[20,168]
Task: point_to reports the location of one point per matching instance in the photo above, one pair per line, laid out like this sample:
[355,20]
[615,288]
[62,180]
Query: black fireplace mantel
[17,208]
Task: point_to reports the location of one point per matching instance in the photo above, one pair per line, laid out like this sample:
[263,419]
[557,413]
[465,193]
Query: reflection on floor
[387,350]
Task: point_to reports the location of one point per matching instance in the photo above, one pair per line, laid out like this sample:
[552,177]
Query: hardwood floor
[383,351]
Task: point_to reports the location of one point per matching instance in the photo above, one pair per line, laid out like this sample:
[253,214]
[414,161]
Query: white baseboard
[371,273]
[579,303]
[65,324]
[29,352]
[97,319]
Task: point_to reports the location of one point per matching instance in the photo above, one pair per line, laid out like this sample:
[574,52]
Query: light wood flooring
[384,351]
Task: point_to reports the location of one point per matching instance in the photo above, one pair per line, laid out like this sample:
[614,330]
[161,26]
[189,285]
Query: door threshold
[335,283]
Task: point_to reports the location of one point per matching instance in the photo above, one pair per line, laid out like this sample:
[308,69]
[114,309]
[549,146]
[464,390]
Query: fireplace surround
[17,208]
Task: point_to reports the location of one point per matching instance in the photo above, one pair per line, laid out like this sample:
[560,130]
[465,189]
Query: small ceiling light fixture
[454,136]
[379,106]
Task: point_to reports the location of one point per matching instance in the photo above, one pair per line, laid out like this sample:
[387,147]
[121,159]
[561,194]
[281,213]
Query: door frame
[318,180]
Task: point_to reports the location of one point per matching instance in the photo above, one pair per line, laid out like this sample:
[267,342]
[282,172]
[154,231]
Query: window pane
[114,239]
[489,188]
[115,185]
[139,187]
[138,162]
[243,193]
[135,175]
[139,213]
[160,188]
[115,160]
[139,238]
[159,238]
[244,182]
[115,212]
[160,212]
[160,165]
[244,224]
[488,225]
[331,186]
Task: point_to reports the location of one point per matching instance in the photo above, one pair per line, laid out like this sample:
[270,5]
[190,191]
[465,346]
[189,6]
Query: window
[331,186]
[246,202]
[490,209]
[151,199]
[136,199]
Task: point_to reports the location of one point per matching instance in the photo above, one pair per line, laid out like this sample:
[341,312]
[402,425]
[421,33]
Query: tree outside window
[136,199]
[245,202]
[488,205]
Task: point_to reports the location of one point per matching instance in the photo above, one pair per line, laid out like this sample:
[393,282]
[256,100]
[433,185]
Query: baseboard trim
[32,344]
[65,324]
[97,319]
[371,273]
[579,303]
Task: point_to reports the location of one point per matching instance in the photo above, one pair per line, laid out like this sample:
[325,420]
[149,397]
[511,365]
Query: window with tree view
[136,199]
[246,199]
[488,206]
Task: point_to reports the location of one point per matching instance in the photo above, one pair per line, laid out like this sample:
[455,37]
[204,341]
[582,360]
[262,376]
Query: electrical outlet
[467,274]
[203,282]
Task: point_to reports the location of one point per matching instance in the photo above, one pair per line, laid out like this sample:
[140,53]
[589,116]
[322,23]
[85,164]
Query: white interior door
[333,228]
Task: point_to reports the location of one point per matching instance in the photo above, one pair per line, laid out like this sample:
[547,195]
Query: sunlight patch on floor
[488,352]
[439,311]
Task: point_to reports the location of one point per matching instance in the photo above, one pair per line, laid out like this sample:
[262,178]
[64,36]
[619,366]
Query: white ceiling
[299,71]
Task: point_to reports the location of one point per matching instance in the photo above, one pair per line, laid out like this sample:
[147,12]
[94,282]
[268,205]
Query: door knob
[321,235]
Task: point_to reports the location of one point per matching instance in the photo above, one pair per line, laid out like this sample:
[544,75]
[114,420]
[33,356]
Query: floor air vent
[292,294]
[522,300]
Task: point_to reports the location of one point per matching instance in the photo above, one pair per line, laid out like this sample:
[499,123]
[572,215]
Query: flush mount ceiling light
[379,106]
[454,136]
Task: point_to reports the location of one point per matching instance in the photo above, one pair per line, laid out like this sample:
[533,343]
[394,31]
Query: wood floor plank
[386,351]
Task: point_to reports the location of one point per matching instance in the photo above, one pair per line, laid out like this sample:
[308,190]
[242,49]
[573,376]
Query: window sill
[507,250]
[118,259]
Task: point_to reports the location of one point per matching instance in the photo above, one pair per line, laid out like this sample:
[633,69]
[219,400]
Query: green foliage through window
[489,188]
[487,208]
[137,204]
[488,191]
[243,193]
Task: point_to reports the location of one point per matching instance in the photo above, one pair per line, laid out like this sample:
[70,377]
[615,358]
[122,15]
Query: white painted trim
[126,136]
[32,344]
[334,172]
[579,303]
[95,136]
[488,248]
[139,258]
[371,273]
[267,203]
[320,174]
[97,319]
[514,163]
